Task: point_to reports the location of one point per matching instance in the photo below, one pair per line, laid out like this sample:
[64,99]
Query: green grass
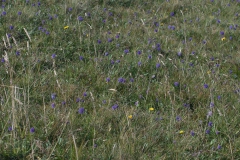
[44,92]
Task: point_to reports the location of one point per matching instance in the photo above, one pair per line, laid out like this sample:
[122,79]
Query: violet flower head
[53,96]
[176,84]
[17,53]
[2,60]
[210,124]
[80,18]
[207,131]
[53,56]
[121,80]
[81,58]
[178,118]
[222,33]
[4,13]
[110,40]
[205,86]
[209,114]
[53,105]
[158,65]
[172,14]
[32,130]
[10,128]
[115,106]
[81,110]
[192,133]
[126,51]
[179,54]
[211,104]
[11,27]
[139,52]
[107,79]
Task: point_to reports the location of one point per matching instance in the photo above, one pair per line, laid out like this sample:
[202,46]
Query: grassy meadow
[124,80]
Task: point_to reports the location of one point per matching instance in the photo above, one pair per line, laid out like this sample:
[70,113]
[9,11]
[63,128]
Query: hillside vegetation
[94,79]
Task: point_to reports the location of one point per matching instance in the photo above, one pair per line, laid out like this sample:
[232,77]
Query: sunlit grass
[119,80]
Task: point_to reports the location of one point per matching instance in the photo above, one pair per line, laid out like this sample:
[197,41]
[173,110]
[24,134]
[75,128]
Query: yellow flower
[130,116]
[151,109]
[181,131]
[208,72]
[66,27]
[162,24]
[223,39]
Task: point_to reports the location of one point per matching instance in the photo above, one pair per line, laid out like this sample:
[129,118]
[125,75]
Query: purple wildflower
[137,103]
[176,84]
[158,65]
[17,53]
[53,105]
[78,100]
[10,128]
[205,86]
[192,133]
[121,80]
[80,18]
[179,54]
[110,40]
[53,56]
[4,13]
[210,124]
[139,52]
[118,35]
[53,96]
[115,106]
[207,131]
[178,118]
[211,104]
[108,79]
[32,130]
[172,14]
[209,114]
[63,103]
[81,110]
[222,33]
[11,27]
[81,58]
[2,60]
[126,51]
